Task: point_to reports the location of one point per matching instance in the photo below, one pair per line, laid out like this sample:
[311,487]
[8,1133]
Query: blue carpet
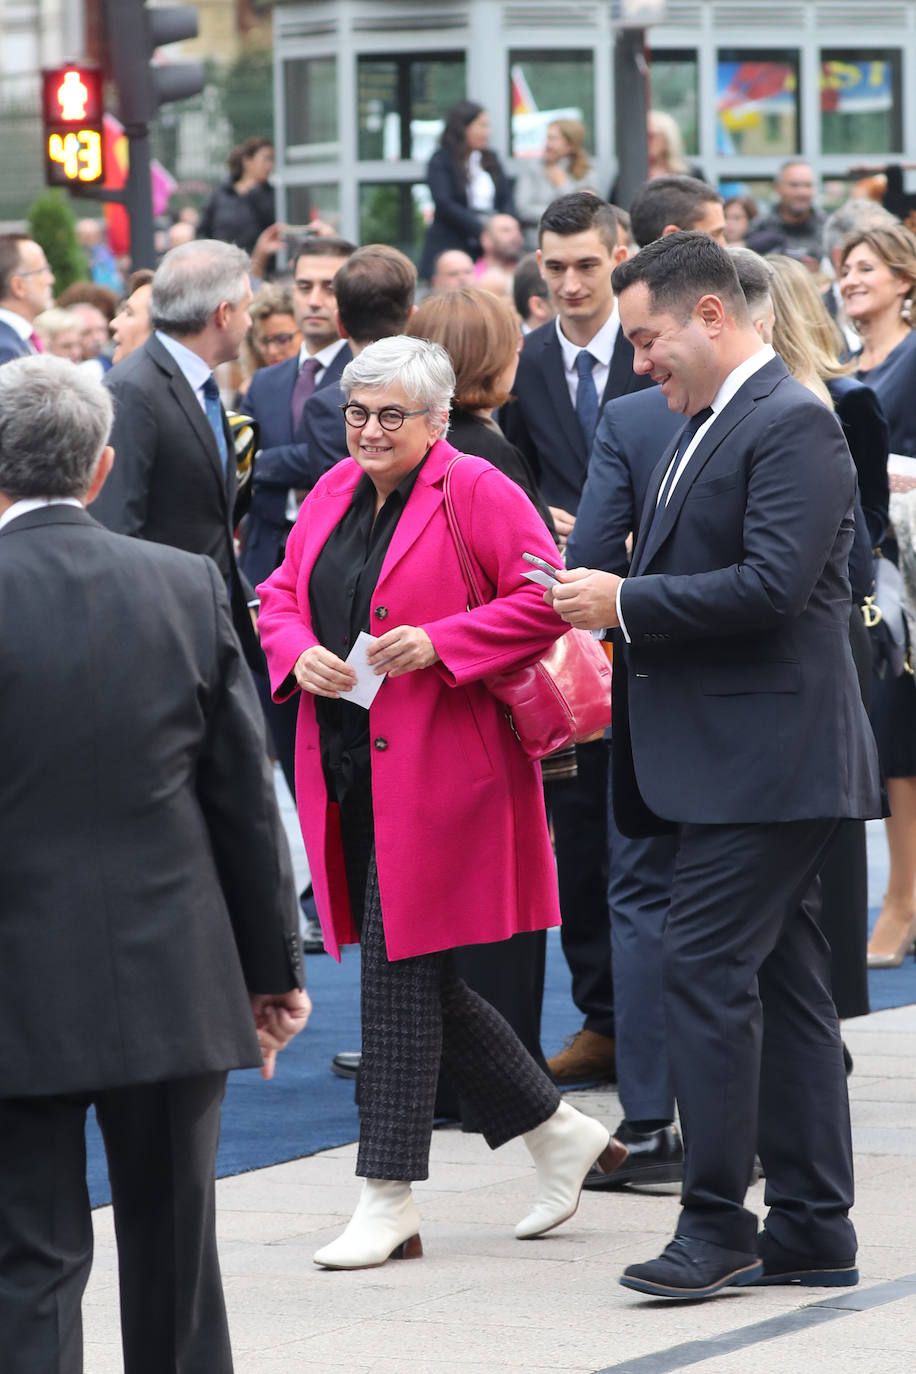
[304,1108]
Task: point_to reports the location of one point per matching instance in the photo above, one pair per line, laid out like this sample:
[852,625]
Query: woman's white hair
[420,368]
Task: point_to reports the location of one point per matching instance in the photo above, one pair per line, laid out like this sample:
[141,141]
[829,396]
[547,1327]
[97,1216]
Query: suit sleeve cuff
[620,619]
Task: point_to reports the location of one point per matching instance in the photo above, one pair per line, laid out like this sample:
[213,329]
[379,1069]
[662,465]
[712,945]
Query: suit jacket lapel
[193,411]
[553,375]
[664,520]
[425,499]
[620,375]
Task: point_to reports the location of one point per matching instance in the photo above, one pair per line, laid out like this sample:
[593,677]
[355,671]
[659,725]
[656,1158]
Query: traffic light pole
[138,197]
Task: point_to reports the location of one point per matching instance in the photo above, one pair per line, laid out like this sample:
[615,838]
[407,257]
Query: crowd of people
[662,404]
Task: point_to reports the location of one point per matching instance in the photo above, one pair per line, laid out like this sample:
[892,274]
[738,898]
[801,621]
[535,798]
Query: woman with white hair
[423,817]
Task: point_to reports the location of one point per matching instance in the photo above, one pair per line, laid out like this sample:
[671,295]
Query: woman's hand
[402,651]
[322,673]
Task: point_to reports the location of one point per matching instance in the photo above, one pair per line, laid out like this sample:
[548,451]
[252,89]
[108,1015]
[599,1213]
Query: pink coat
[461,837]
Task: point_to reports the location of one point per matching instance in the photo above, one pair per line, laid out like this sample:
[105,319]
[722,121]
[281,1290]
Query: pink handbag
[566,695]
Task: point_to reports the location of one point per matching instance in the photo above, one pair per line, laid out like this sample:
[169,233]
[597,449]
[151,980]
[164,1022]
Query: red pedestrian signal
[72,110]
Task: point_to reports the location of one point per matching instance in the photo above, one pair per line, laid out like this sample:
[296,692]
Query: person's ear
[710,311]
[102,469]
[619,253]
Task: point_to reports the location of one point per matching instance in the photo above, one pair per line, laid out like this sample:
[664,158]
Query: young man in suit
[632,434]
[175,479]
[276,399]
[25,291]
[144,949]
[742,726]
[569,368]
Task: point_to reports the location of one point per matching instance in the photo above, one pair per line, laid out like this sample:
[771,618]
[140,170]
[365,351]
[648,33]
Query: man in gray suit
[25,291]
[144,890]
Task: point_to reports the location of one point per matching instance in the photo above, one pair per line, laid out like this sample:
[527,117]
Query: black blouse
[340,596]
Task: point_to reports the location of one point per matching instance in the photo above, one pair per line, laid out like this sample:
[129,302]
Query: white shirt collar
[601,345]
[22,326]
[31,503]
[192,365]
[739,375]
[325,356]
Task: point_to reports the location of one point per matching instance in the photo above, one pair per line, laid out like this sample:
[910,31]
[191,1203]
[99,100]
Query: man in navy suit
[632,434]
[276,399]
[569,368]
[743,727]
[25,291]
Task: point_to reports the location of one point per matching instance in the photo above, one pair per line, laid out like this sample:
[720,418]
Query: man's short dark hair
[527,282]
[754,275]
[10,258]
[375,290]
[578,212]
[317,246]
[667,200]
[679,269]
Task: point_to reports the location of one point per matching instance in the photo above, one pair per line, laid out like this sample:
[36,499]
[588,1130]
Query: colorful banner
[856,87]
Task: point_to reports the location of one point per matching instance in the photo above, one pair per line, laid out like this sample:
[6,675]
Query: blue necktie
[215,416]
[687,434]
[586,396]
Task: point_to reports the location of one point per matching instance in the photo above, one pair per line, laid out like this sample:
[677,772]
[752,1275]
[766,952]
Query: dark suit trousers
[753,1037]
[578,809]
[640,877]
[161,1141]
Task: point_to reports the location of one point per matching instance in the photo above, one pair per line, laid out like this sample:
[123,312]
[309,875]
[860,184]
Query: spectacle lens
[389,417]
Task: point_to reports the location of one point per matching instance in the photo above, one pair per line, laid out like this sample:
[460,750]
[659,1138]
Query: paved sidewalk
[482,1301]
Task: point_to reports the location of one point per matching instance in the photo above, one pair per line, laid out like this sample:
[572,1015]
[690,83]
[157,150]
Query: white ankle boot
[385,1225]
[564,1148]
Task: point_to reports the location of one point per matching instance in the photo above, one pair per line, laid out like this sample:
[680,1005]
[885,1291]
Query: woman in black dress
[810,344]
[467,184]
[878,285]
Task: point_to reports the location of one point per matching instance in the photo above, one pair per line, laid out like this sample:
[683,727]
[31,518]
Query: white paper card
[541,578]
[367,684]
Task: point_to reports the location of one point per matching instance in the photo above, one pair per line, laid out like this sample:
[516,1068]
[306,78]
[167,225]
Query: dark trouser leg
[738,910]
[415,1011]
[640,876]
[45,1234]
[161,1141]
[578,809]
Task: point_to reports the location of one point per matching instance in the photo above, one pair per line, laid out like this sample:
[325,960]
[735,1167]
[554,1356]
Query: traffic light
[134,34]
[72,116]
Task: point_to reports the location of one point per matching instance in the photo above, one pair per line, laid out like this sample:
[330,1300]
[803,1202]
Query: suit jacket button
[381,612]
[380,743]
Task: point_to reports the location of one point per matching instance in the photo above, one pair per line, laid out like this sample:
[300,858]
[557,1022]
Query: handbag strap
[464,557]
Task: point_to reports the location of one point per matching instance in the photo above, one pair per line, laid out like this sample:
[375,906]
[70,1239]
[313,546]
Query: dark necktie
[215,416]
[687,434]
[305,385]
[586,396]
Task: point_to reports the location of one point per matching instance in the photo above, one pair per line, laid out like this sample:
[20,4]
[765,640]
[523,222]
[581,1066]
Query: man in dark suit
[144,888]
[276,399]
[175,479]
[742,727]
[632,434]
[25,291]
[569,368]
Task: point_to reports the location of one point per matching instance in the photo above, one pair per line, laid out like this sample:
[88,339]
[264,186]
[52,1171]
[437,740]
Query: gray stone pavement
[481,1301]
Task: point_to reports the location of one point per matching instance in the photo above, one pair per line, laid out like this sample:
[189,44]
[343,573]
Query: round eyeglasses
[389,417]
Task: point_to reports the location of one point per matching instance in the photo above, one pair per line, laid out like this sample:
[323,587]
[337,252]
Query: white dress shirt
[601,347]
[193,368]
[29,503]
[324,357]
[23,327]
[727,392]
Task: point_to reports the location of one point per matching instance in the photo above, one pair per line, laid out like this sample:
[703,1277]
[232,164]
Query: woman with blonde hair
[877,278]
[563,166]
[274,335]
[810,344]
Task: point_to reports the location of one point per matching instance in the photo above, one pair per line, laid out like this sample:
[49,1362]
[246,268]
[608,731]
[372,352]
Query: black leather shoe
[655,1157]
[310,926]
[346,1064]
[785,1266]
[689,1268]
